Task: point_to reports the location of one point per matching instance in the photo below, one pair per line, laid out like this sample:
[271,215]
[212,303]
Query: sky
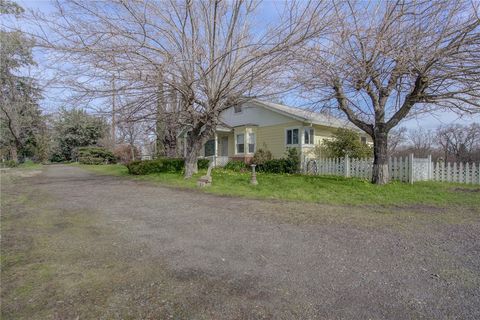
[428,121]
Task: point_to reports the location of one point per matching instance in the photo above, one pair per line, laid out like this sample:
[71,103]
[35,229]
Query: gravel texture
[233,258]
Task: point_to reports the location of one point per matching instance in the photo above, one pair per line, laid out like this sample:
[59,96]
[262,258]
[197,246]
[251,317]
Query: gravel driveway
[232,258]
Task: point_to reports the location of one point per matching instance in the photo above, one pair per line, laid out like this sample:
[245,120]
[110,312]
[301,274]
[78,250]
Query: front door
[224,146]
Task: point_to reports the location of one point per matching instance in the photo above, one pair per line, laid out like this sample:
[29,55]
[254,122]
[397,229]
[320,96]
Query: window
[292,136]
[363,140]
[210,148]
[240,143]
[251,142]
[308,136]
[237,108]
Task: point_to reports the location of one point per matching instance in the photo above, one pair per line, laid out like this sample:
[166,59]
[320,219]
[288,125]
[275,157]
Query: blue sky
[429,121]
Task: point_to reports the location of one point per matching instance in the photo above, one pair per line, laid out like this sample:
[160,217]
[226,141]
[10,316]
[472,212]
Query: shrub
[10,164]
[203,163]
[346,142]
[261,156]
[91,160]
[95,155]
[57,156]
[123,153]
[273,166]
[161,165]
[236,165]
[28,163]
[320,151]
[292,161]
[289,164]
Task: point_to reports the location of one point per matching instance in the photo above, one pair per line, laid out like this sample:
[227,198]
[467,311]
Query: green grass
[29,164]
[322,189]
[71,264]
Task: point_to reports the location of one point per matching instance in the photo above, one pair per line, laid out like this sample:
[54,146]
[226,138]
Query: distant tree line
[450,143]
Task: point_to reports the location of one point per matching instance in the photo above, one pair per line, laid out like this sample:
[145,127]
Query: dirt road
[82,245]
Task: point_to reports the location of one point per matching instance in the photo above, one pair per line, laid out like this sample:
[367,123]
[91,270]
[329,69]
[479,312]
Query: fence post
[478,173]
[430,168]
[410,168]
[346,165]
[390,169]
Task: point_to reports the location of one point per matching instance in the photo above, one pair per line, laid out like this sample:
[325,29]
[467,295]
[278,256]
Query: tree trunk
[160,124]
[170,145]
[14,153]
[132,152]
[191,166]
[380,158]
[195,141]
[160,135]
[196,138]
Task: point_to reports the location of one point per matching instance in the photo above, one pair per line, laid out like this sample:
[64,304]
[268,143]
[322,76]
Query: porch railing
[218,161]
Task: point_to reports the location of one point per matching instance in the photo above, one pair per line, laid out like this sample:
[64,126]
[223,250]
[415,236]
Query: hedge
[273,166]
[289,164]
[91,160]
[161,165]
[236,165]
[95,155]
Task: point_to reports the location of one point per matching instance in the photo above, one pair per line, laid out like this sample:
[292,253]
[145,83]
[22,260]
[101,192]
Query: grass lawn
[28,165]
[322,189]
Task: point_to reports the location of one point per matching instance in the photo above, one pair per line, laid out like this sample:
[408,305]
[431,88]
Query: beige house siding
[270,133]
[273,138]
[324,133]
[320,133]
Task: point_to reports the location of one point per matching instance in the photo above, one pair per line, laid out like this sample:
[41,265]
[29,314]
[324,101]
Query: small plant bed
[322,189]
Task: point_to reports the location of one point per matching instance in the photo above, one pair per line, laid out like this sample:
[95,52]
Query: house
[275,127]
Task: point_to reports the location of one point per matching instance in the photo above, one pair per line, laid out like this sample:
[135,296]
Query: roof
[306,115]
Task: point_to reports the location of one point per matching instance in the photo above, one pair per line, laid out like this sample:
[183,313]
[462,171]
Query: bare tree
[168,124]
[387,60]
[422,142]
[130,132]
[459,142]
[210,54]
[396,139]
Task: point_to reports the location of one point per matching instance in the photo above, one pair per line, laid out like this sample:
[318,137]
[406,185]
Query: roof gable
[305,115]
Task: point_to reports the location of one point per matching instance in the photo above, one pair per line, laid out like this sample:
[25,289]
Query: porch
[227,144]
[219,148]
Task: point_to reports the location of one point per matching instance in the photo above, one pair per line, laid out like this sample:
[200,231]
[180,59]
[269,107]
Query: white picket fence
[408,169]
[461,173]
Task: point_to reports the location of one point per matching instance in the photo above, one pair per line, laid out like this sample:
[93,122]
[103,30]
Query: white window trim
[311,137]
[299,138]
[236,144]
[254,143]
